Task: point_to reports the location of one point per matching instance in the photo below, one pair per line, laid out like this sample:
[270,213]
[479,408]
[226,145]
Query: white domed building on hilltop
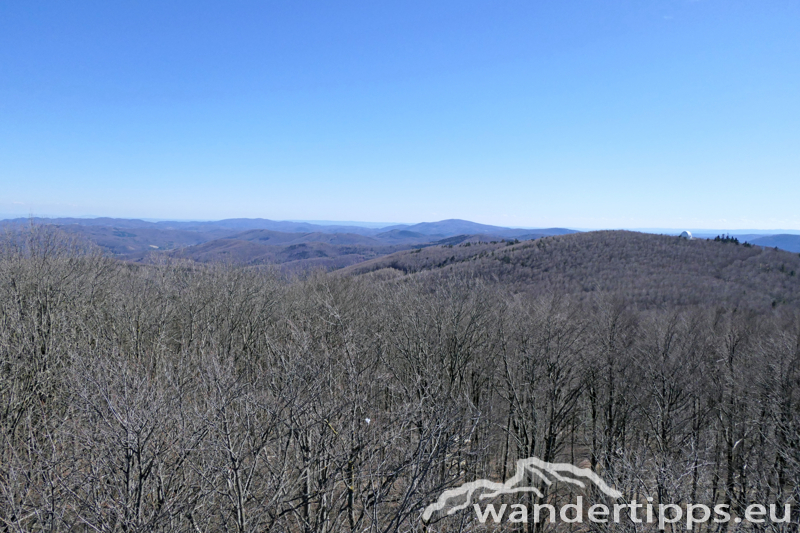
[686,235]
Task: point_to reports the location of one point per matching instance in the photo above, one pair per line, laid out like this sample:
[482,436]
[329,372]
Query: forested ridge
[647,270]
[178,396]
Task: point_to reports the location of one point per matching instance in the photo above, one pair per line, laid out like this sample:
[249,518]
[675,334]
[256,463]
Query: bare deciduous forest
[179,396]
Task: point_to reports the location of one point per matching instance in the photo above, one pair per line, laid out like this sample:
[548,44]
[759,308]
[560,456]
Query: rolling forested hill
[650,270]
[294,256]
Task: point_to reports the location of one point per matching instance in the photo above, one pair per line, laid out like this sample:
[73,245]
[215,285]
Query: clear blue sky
[646,113]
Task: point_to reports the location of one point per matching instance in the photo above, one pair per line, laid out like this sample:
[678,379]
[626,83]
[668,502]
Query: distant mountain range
[788,242]
[443,228]
[302,244]
[260,241]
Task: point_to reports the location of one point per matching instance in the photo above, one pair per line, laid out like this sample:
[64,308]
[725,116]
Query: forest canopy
[178,396]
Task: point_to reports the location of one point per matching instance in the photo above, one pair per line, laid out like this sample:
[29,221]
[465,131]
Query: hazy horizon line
[379,225]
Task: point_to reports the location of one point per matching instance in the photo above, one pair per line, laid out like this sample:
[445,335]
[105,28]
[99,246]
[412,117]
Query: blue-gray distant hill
[451,227]
[790,243]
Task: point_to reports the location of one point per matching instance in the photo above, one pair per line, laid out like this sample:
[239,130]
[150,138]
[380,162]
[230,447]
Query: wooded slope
[648,270]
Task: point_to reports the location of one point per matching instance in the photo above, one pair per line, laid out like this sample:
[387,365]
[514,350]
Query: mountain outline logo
[532,465]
